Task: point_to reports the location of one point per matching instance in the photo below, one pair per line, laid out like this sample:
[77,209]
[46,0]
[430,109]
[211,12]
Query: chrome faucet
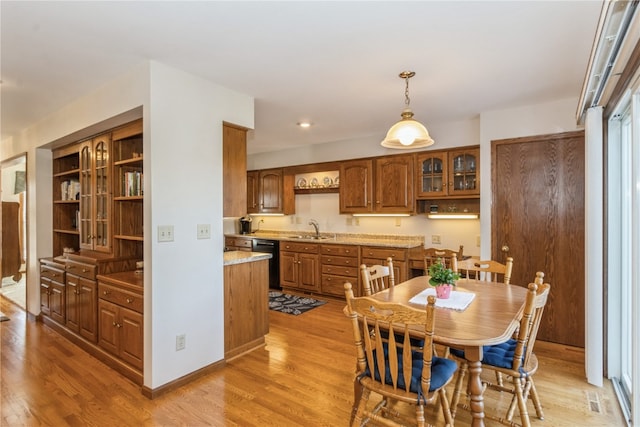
[316,226]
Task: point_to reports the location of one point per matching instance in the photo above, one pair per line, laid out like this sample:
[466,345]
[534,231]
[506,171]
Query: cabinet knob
[328,279]
[53,274]
[118,325]
[129,300]
[84,270]
[329,259]
[114,323]
[106,292]
[347,262]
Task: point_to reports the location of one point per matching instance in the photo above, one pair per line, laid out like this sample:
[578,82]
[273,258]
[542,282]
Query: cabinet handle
[53,274]
[329,259]
[106,292]
[377,202]
[84,270]
[328,279]
[69,267]
[114,323]
[129,300]
[347,262]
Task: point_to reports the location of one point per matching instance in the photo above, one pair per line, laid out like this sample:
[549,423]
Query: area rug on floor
[292,304]
[3,318]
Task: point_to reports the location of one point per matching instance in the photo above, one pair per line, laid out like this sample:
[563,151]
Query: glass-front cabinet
[95,206]
[432,174]
[448,173]
[463,172]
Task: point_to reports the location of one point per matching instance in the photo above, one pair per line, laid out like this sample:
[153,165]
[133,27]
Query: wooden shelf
[75,232]
[128,198]
[72,172]
[316,190]
[132,238]
[63,202]
[131,161]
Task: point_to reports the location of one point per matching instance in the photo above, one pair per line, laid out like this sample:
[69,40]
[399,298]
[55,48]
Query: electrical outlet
[298,220]
[165,233]
[398,222]
[435,239]
[204,231]
[181,342]
[478,240]
[357,220]
[349,221]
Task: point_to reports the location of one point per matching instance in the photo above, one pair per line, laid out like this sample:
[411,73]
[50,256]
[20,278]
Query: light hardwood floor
[303,377]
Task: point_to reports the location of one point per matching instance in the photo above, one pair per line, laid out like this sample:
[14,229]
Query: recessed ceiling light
[304,124]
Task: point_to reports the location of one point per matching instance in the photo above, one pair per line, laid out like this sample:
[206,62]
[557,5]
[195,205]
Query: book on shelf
[132,183]
[70,189]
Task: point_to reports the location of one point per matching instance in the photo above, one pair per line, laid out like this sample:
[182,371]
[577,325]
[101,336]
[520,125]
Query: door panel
[538,213]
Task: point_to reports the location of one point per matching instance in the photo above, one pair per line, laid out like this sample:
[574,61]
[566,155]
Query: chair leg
[357,395]
[531,389]
[446,410]
[420,415]
[361,405]
[522,404]
[457,390]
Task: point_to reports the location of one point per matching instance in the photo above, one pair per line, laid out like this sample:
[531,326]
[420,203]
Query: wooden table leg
[474,356]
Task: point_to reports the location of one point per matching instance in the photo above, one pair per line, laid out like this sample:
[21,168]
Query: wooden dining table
[491,318]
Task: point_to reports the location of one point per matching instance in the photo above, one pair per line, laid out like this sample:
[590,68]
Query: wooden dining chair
[448,256]
[514,359]
[377,278]
[489,271]
[388,365]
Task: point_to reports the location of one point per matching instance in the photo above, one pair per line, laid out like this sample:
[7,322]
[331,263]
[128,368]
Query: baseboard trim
[179,382]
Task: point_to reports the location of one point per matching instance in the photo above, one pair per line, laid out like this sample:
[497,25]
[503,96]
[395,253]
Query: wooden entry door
[538,219]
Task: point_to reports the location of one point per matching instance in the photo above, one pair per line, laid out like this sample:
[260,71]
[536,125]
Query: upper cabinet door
[95,196]
[356,186]
[253,192]
[271,191]
[432,175]
[463,172]
[394,185]
[234,175]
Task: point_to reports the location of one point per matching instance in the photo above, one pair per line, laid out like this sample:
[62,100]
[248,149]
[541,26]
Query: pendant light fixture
[407,133]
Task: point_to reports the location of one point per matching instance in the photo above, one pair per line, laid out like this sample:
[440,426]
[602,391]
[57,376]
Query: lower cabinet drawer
[334,285]
[340,270]
[81,269]
[339,260]
[121,297]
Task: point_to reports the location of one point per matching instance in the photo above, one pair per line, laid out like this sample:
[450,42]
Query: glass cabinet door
[432,173]
[86,198]
[463,172]
[102,207]
[95,206]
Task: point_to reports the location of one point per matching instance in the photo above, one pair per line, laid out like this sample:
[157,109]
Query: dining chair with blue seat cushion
[388,364]
[514,358]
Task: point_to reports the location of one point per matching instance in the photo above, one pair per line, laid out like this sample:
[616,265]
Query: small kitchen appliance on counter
[245,224]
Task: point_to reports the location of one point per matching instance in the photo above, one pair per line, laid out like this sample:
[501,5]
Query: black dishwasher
[272,247]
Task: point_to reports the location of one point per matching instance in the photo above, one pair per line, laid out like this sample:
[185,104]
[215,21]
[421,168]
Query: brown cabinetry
[238,243]
[66,199]
[392,190]
[270,191]
[128,191]
[53,292]
[372,255]
[451,173]
[339,264]
[95,194]
[120,319]
[82,302]
[300,266]
[234,176]
[246,306]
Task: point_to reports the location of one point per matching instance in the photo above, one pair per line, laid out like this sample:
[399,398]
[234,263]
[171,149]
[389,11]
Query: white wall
[183,188]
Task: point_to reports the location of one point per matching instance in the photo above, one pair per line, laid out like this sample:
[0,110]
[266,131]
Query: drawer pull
[129,300]
[347,262]
[84,270]
[106,292]
[69,267]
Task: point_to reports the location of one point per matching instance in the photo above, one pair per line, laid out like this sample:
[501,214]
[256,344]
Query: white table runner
[457,301]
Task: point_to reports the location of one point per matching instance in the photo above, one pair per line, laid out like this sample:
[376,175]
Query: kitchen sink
[301,237]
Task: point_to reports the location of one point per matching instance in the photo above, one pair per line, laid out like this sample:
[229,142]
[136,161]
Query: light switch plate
[435,239]
[165,233]
[204,231]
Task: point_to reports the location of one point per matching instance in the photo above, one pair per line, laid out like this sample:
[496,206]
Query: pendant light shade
[407,133]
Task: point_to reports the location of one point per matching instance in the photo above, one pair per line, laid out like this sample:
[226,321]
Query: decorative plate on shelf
[314,182]
[336,180]
[327,181]
[302,183]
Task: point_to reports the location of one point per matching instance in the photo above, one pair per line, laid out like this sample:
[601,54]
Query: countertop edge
[241,257]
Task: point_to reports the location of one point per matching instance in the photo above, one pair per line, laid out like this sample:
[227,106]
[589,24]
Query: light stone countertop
[239,257]
[382,240]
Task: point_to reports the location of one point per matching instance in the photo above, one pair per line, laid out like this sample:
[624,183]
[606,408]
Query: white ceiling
[335,63]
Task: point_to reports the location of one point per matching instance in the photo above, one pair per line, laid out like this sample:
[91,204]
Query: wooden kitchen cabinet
[380,185]
[270,191]
[234,171]
[339,264]
[451,173]
[95,194]
[120,319]
[66,198]
[234,243]
[377,255]
[300,266]
[128,191]
[246,306]
[53,292]
[82,306]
